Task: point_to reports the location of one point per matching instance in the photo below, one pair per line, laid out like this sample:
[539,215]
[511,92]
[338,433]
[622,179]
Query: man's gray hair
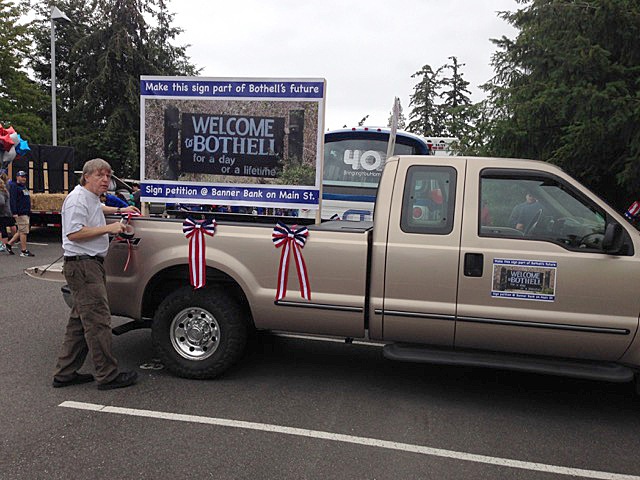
[92,166]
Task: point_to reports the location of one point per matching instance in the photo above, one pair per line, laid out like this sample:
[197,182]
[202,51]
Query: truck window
[429,200]
[539,208]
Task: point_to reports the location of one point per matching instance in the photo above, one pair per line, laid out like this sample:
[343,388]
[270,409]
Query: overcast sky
[366,50]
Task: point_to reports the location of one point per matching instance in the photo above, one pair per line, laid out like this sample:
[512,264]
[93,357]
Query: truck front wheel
[199,333]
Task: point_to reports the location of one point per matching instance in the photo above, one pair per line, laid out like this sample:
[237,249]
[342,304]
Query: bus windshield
[359,162]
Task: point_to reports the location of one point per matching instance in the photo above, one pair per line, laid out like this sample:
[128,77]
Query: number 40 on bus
[353,162]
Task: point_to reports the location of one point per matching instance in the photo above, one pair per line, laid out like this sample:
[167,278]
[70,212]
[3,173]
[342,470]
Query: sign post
[394,127]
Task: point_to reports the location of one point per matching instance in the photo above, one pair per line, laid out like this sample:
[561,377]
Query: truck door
[416,251]
[534,277]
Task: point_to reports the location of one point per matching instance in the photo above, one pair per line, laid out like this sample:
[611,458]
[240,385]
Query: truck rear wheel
[199,333]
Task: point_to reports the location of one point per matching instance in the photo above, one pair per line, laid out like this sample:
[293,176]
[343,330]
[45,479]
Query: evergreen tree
[442,107]
[69,84]
[109,45]
[456,106]
[426,116]
[472,137]
[22,102]
[169,59]
[566,90]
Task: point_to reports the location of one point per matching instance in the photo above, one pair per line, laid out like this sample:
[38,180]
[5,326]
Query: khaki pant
[89,326]
[23,223]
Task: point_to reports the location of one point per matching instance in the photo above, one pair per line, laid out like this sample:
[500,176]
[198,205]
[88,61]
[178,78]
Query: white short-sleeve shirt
[82,208]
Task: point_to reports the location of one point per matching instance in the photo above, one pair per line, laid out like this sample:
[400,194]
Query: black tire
[199,333]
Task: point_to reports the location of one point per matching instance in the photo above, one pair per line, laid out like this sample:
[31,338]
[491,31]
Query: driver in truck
[523,214]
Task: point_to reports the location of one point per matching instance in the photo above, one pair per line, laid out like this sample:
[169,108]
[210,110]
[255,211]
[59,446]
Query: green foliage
[100,57]
[426,114]
[296,174]
[456,106]
[22,102]
[566,90]
[363,120]
[441,103]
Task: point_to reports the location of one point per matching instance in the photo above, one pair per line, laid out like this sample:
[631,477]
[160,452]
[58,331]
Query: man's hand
[130,209]
[116,228]
[87,233]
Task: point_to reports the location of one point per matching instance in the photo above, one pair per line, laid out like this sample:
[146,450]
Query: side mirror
[613,240]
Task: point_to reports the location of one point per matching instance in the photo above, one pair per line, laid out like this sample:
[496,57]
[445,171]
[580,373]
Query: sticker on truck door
[524,279]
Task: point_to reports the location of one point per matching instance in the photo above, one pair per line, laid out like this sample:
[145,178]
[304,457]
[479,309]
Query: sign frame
[524,279]
[245,132]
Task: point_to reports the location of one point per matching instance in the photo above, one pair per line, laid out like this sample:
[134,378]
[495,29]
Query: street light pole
[55,15]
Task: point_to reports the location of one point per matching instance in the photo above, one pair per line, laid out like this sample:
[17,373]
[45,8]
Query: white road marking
[36,243]
[370,442]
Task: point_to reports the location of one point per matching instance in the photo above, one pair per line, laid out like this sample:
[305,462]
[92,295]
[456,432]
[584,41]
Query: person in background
[85,241]
[485,214]
[136,195]
[4,176]
[20,198]
[113,201]
[6,219]
[523,214]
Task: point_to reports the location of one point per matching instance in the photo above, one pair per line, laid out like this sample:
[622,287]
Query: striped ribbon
[291,239]
[195,232]
[633,211]
[128,235]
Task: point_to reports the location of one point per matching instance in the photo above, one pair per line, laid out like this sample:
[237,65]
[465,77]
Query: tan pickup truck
[469,261]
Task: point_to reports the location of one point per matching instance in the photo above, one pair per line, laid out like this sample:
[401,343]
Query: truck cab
[501,256]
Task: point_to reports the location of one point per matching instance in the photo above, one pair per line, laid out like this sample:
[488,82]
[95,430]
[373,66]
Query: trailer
[50,178]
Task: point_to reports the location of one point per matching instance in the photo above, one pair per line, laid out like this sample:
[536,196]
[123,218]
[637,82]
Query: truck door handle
[473,264]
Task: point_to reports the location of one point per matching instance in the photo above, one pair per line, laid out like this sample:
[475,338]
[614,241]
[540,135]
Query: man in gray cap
[20,200]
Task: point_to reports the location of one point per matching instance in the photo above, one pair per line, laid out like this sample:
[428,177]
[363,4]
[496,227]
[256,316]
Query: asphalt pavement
[291,409]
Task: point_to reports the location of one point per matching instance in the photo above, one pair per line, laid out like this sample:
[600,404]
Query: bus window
[358,162]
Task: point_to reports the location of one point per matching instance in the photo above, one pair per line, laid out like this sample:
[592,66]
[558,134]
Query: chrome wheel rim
[195,333]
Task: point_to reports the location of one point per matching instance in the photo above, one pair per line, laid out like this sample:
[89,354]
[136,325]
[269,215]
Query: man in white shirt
[85,241]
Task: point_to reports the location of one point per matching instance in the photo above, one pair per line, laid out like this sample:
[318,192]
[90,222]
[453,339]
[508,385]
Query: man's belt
[75,258]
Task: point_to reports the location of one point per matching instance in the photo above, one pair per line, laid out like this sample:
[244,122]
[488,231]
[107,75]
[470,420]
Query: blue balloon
[22,147]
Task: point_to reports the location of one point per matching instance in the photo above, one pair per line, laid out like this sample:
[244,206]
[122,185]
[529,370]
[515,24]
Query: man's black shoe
[124,379]
[75,380]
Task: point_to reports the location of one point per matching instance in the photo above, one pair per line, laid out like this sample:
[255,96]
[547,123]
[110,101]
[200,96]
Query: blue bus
[353,162]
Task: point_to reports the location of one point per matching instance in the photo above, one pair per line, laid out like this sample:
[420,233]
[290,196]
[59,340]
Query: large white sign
[247,142]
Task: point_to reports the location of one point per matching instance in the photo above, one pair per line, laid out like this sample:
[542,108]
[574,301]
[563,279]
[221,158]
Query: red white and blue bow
[633,211]
[127,235]
[195,232]
[291,240]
